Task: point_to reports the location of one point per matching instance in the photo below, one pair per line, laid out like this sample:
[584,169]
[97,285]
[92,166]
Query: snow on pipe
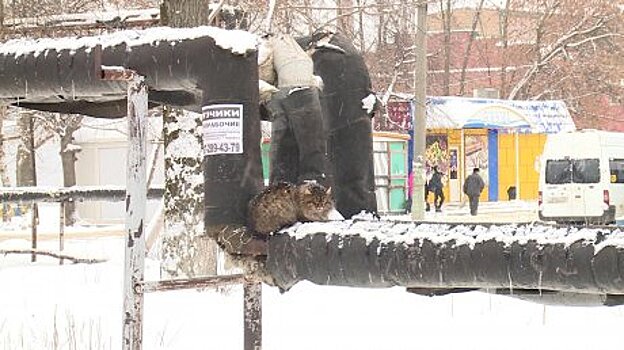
[513,257]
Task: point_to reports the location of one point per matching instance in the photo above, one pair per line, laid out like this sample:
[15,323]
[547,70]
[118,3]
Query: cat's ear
[328,192]
[307,190]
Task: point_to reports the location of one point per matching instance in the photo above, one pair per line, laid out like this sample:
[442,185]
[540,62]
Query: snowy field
[47,306]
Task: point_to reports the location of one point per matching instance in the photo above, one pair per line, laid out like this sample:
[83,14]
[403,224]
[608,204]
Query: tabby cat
[284,204]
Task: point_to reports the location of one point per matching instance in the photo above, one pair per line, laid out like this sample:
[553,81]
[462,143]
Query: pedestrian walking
[473,186]
[427,207]
[435,186]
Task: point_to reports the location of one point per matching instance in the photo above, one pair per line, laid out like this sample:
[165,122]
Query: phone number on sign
[223,147]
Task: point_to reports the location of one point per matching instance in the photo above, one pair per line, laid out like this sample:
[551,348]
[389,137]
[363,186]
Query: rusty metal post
[35,207]
[34,219]
[252,312]
[61,229]
[136,199]
[420,112]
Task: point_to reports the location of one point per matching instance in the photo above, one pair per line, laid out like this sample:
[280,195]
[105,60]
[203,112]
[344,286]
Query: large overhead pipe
[378,254]
[194,68]
[63,74]
[233,166]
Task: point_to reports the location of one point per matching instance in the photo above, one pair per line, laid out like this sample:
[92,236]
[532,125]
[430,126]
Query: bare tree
[473,33]
[447,15]
[567,36]
[4,176]
[504,40]
[62,127]
[186,250]
[25,159]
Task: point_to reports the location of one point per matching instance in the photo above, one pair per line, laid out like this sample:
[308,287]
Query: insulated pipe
[376,254]
[66,74]
[194,67]
[52,74]
[231,177]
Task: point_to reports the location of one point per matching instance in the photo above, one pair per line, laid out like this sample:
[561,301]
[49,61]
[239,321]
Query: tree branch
[559,46]
[73,259]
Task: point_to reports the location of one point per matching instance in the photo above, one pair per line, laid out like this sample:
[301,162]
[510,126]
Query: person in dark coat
[473,186]
[346,84]
[427,207]
[435,186]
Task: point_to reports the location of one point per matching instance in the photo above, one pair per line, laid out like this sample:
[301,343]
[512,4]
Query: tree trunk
[361,35]
[381,36]
[4,177]
[25,157]
[186,251]
[344,17]
[473,32]
[68,161]
[505,44]
[2,14]
[446,16]
[182,13]
[187,13]
[26,167]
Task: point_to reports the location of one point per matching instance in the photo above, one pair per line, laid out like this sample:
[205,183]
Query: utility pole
[420,94]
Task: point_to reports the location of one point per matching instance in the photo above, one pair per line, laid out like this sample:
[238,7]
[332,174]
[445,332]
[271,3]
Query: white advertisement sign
[223,129]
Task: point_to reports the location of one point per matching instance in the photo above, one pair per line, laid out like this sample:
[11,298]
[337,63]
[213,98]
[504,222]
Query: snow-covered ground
[502,211]
[47,306]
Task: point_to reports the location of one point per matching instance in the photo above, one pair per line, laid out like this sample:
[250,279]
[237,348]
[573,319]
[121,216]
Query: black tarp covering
[346,83]
[231,180]
[385,254]
[298,141]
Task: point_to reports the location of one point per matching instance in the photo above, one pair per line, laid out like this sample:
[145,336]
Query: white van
[582,177]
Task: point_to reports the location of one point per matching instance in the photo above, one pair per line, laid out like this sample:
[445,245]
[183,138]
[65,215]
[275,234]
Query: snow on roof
[239,42]
[449,112]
